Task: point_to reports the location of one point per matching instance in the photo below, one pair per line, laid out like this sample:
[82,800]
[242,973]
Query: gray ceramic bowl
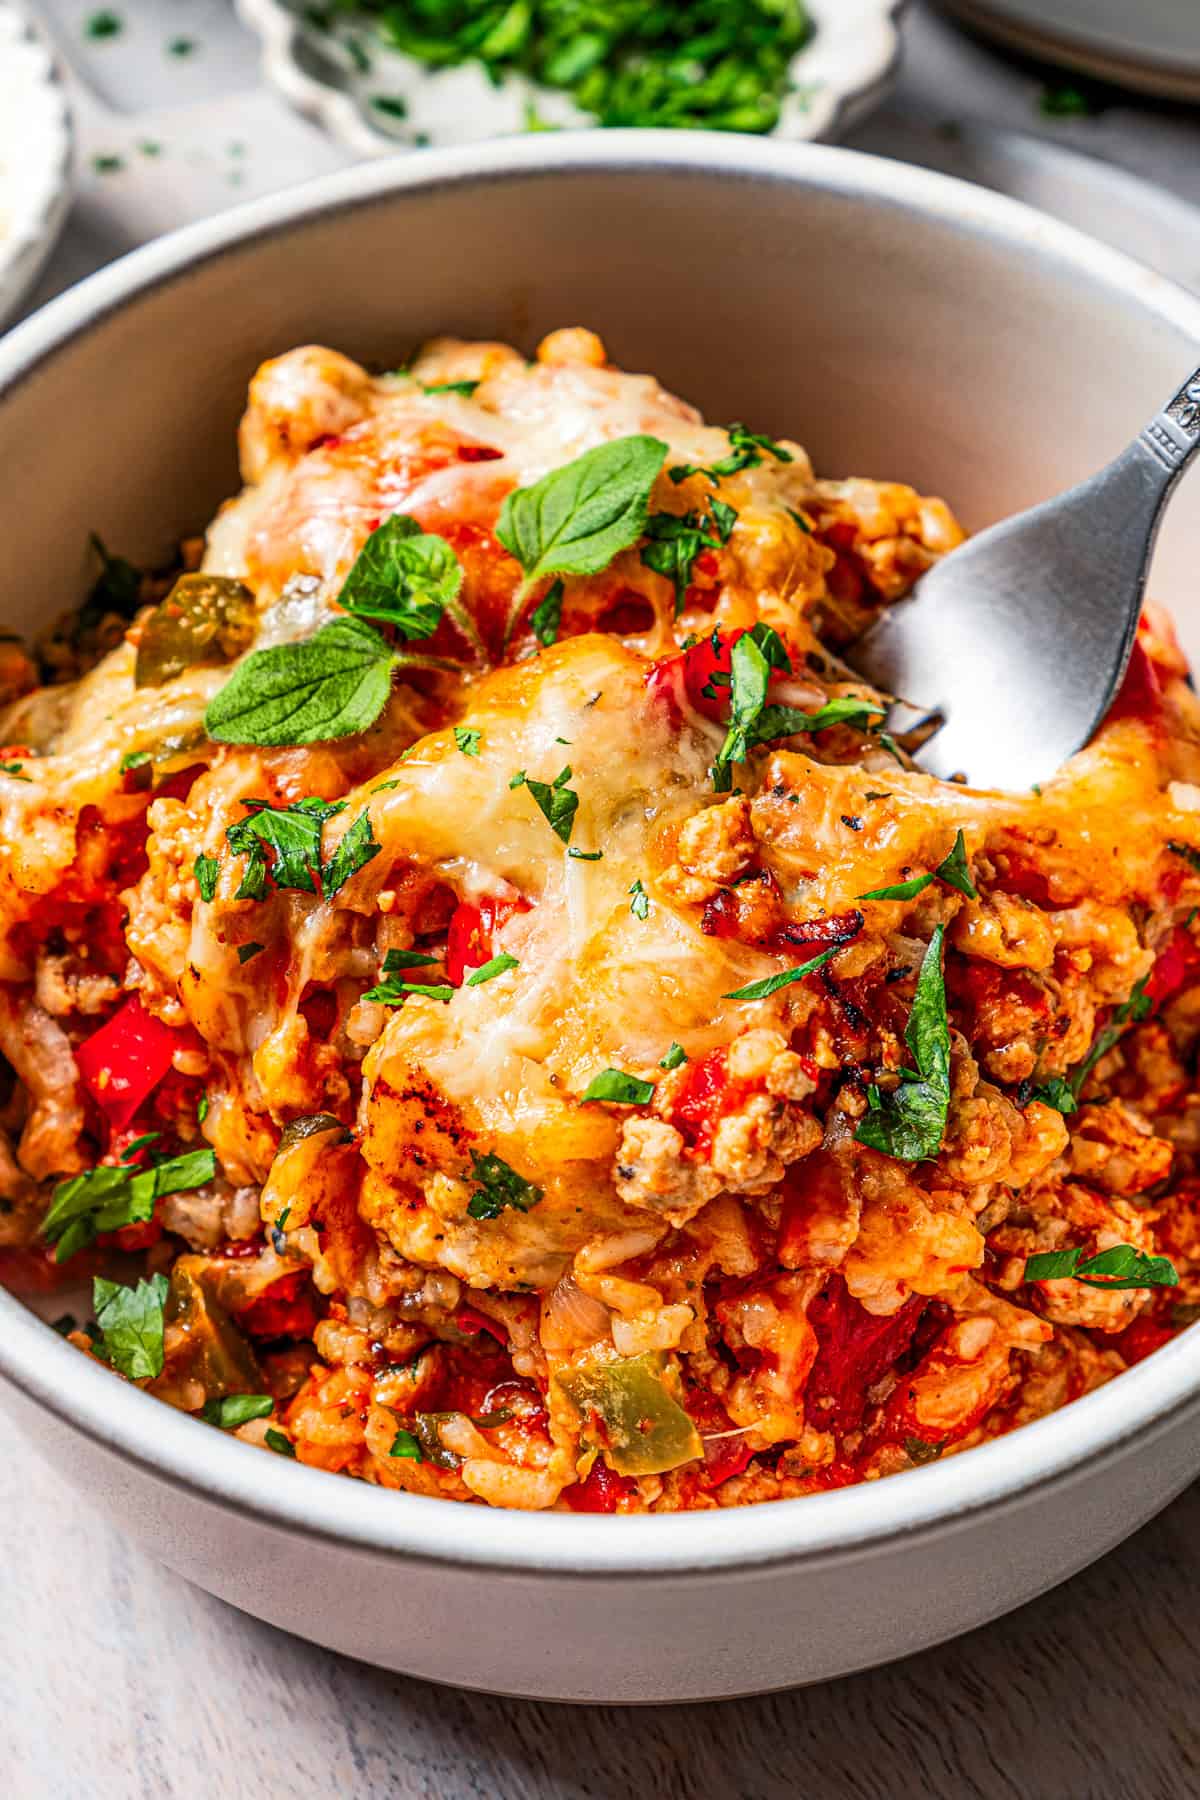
[897,323]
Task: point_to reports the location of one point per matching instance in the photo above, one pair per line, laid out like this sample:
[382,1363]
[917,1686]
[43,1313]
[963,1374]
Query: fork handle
[1173,436]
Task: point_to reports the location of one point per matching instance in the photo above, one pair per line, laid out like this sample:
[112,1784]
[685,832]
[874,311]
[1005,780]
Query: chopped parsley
[639,901]
[130,1321]
[499,1187]
[247,951]
[1065,101]
[675,541]
[752,721]
[555,800]
[232,1410]
[391,992]
[498,965]
[1138,1007]
[908,1123]
[721,64]
[620,1089]
[586,855]
[106,1198]
[1056,1093]
[920,1450]
[467,737]
[746,451]
[465,388]
[282,1446]
[1191,857]
[395,960]
[405,1444]
[293,834]
[953,870]
[103,24]
[395,993]
[771,984]
[355,849]
[132,759]
[675,1058]
[118,588]
[1122,1266]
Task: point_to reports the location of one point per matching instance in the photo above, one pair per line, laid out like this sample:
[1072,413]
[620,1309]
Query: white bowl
[897,322]
[35,154]
[836,77]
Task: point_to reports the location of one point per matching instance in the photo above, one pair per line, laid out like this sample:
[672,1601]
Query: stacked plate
[1153,45]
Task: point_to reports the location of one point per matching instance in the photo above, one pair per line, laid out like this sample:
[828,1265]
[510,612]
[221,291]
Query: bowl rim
[169,1446]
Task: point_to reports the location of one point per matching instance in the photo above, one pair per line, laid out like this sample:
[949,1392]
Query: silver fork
[1020,638]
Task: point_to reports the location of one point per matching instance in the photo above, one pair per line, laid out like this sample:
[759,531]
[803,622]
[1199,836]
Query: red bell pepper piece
[470,934]
[854,1348]
[690,675]
[123,1062]
[601,1492]
[468,942]
[1140,1339]
[285,1309]
[1177,961]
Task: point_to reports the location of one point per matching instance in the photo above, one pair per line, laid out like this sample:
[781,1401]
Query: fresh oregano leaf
[404,576]
[329,686]
[576,519]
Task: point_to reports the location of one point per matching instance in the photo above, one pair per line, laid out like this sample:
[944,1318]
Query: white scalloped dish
[835,78]
[35,155]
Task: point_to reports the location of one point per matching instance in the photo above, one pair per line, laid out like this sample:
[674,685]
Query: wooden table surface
[118,1681]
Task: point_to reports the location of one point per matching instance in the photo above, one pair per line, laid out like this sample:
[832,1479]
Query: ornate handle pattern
[1173,437]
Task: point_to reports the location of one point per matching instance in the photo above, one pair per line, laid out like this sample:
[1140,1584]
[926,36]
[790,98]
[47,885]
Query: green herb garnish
[639,901]
[771,984]
[909,1122]
[130,1320]
[546,617]
[953,870]
[108,1197]
[232,1410]
[1122,1266]
[675,540]
[746,451]
[1056,1093]
[675,1058]
[621,1089]
[498,965]
[405,1444]
[329,686]
[555,800]
[576,519]
[405,577]
[499,1186]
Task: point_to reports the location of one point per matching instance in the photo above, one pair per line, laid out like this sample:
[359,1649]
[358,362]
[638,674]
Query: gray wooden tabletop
[117,1680]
